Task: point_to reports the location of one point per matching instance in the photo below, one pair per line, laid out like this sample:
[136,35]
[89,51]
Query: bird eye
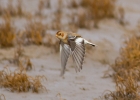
[59,33]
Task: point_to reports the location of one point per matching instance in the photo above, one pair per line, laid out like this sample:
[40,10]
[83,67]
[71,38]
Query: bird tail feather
[87,42]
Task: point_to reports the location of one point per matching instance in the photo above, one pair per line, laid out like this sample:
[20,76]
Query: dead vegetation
[92,12]
[56,23]
[17,55]
[127,72]
[34,33]
[21,60]
[1,10]
[82,23]
[29,65]
[73,4]
[99,9]
[60,97]
[13,10]
[43,4]
[7,32]
[52,42]
[2,97]
[121,16]
[129,59]
[126,89]
[19,81]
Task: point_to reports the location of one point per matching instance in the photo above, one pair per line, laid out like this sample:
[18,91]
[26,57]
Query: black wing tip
[93,45]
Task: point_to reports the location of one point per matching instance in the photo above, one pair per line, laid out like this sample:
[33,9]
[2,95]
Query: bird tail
[87,42]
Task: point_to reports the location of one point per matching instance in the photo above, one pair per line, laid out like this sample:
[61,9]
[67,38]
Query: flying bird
[72,44]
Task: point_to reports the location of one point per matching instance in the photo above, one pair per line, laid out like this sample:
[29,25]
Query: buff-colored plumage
[74,44]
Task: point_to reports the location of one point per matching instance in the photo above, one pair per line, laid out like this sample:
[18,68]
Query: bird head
[61,35]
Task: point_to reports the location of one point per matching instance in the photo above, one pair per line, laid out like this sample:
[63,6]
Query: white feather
[87,42]
[78,40]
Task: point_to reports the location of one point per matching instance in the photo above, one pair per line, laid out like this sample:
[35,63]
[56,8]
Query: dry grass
[40,7]
[99,9]
[121,14]
[17,55]
[52,42]
[56,23]
[34,33]
[73,4]
[127,72]
[77,20]
[1,10]
[43,4]
[129,60]
[60,97]
[19,81]
[2,97]
[29,65]
[126,89]
[13,10]
[7,32]
[81,20]
[21,60]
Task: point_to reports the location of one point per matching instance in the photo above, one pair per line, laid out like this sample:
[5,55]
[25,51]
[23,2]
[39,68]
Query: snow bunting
[72,44]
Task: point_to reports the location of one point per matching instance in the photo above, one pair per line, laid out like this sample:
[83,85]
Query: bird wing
[64,53]
[78,52]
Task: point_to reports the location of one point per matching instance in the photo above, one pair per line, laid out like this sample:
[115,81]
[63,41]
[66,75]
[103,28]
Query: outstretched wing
[78,52]
[64,53]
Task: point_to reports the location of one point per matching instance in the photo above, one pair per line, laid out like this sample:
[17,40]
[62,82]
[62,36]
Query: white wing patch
[78,53]
[64,52]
